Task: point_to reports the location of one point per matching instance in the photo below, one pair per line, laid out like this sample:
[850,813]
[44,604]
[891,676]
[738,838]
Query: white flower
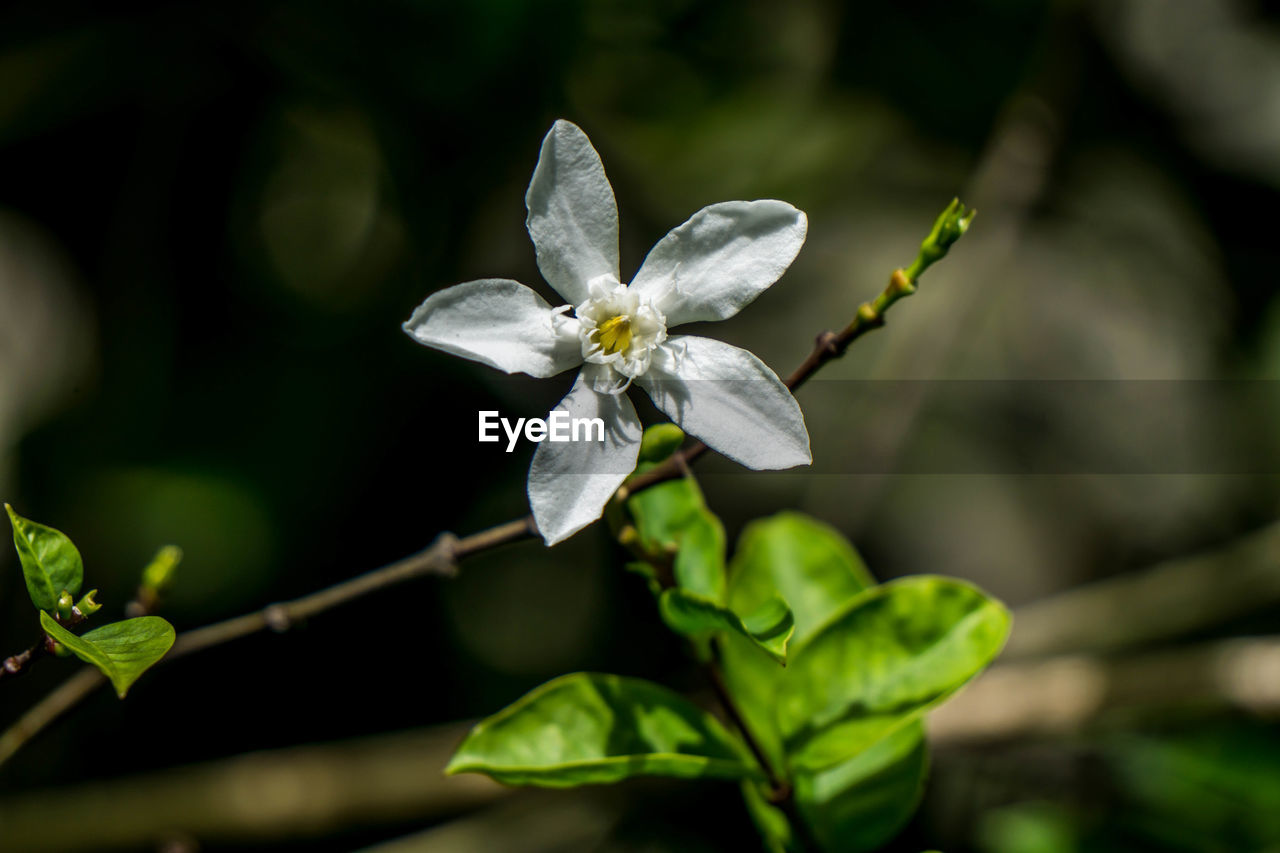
[707,269]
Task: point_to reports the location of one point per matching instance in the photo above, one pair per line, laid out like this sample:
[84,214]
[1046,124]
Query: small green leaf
[861,804]
[649,574]
[770,626]
[809,564]
[895,652]
[122,650]
[674,516]
[589,728]
[50,562]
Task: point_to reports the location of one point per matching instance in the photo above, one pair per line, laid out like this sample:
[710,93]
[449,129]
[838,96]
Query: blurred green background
[214,217]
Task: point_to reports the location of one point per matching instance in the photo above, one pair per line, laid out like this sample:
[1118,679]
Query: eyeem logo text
[557,427]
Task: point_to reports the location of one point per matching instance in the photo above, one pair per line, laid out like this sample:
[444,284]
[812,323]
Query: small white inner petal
[620,329]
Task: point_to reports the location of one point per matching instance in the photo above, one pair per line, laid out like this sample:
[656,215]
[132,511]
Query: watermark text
[558,426]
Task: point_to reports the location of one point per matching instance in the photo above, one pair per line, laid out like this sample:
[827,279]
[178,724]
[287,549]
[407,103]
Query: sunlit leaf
[50,562]
[589,728]
[673,517]
[862,803]
[808,563]
[770,626]
[895,652]
[121,650]
[788,554]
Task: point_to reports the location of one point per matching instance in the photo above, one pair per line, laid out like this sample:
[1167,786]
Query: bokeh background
[214,217]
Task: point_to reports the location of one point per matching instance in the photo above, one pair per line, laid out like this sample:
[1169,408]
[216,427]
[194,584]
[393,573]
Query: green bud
[660,441]
[158,574]
[949,227]
[64,606]
[86,605]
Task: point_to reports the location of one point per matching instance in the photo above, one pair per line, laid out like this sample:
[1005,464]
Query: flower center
[614,334]
[619,329]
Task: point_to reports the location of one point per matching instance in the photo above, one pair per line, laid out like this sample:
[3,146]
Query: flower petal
[730,399]
[573,218]
[571,481]
[726,255]
[500,323]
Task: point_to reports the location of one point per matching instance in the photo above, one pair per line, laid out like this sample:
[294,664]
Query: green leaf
[673,516]
[770,626]
[122,650]
[862,803]
[589,728]
[895,652]
[809,564]
[50,562]
[786,555]
[649,573]
[771,822]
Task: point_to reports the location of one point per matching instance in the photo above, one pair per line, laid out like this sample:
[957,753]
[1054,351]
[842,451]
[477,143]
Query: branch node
[446,553]
[780,793]
[277,618]
[828,342]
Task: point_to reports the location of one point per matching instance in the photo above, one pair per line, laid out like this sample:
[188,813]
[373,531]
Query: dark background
[214,217]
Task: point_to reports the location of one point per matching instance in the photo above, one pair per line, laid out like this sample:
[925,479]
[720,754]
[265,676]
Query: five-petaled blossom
[707,269]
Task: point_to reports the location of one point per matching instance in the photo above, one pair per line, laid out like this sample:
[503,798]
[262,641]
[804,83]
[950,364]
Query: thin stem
[439,559]
[779,788]
[17,664]
[22,661]
[781,793]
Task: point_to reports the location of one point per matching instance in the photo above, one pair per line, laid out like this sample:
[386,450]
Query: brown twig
[21,662]
[439,559]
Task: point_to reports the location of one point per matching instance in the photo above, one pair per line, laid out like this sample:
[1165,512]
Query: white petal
[730,399]
[722,258]
[573,218]
[500,323]
[571,481]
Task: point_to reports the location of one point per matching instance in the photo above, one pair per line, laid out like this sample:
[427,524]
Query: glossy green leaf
[770,626]
[894,653]
[589,728]
[673,516]
[788,554]
[808,563]
[50,562]
[865,801]
[122,650]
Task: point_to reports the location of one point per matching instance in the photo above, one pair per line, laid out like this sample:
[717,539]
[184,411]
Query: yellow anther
[615,334]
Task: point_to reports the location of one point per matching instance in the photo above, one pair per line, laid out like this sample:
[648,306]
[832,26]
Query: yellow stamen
[615,334]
